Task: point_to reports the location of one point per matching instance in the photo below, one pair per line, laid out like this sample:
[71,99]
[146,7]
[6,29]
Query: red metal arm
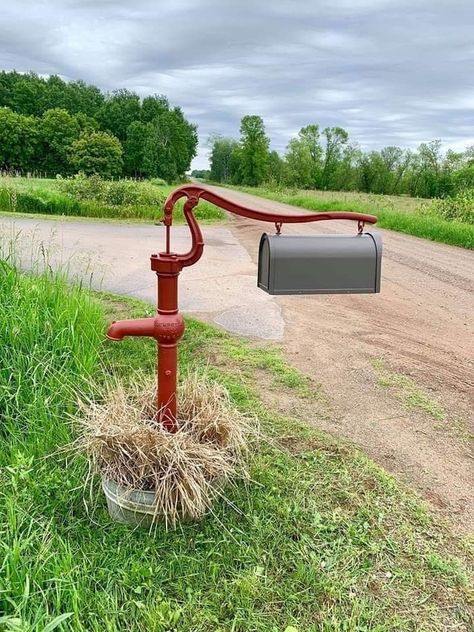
[194,193]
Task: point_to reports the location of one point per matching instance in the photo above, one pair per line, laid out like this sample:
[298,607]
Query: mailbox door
[320,264]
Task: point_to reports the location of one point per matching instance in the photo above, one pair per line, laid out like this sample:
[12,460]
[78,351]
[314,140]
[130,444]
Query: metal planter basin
[132,507]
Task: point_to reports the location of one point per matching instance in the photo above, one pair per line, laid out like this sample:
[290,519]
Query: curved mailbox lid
[320,264]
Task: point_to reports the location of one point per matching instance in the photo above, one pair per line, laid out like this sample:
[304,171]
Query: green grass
[321,539]
[429,227]
[46,197]
[408,391]
[397,213]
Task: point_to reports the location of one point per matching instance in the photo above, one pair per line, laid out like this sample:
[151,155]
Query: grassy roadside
[178,218]
[395,213]
[118,201]
[321,539]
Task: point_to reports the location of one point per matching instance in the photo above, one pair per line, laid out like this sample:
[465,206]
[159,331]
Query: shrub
[459,208]
[82,187]
[158,182]
[97,152]
[112,192]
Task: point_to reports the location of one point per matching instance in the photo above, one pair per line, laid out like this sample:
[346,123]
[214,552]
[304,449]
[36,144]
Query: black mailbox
[320,264]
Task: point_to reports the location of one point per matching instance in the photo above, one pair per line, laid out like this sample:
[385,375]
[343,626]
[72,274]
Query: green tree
[309,136]
[469,155]
[156,139]
[276,169]
[254,157]
[236,164]
[153,106]
[395,162]
[184,139]
[97,153]
[83,98]
[18,141]
[299,165]
[28,95]
[56,95]
[345,176]
[368,167]
[158,156]
[464,178]
[86,123]
[461,166]
[170,145]
[134,148]
[221,158]
[58,130]
[336,138]
[201,174]
[427,165]
[7,82]
[303,157]
[119,110]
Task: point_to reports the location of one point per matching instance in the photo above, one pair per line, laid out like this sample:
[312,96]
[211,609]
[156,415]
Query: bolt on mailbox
[320,264]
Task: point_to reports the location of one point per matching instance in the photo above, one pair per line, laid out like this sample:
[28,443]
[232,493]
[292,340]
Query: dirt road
[398,367]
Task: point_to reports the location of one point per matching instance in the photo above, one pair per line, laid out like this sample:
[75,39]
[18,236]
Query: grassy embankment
[403,214]
[321,539]
[123,200]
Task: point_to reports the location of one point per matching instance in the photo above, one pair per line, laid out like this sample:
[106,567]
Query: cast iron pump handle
[194,193]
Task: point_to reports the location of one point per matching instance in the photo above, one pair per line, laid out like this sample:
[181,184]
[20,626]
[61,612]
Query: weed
[408,391]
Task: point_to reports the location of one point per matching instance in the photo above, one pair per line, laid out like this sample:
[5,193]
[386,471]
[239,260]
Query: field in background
[321,539]
[94,198]
[413,216]
[347,199]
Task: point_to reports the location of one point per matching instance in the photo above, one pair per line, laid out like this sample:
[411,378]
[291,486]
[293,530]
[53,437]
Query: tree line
[59,127]
[327,159]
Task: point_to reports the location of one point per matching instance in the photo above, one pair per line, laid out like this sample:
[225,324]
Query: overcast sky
[389,71]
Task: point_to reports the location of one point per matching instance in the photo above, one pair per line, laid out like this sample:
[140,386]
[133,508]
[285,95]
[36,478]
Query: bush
[112,192]
[158,182]
[464,178]
[97,153]
[459,208]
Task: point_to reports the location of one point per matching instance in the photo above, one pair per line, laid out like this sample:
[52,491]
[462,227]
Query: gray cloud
[389,71]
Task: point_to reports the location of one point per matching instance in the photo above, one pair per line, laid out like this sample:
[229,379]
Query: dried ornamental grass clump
[185,470]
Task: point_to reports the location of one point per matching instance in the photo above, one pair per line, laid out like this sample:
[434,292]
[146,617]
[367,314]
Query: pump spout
[136,327]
